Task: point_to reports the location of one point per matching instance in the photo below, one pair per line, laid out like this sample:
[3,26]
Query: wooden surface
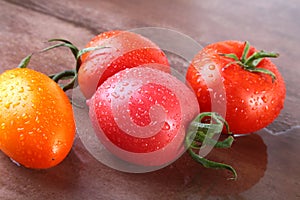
[267,161]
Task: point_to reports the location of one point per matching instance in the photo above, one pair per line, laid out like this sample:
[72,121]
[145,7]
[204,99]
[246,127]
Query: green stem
[69,74]
[200,134]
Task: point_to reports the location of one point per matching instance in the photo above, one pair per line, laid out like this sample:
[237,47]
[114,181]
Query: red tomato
[253,100]
[126,50]
[37,125]
[141,115]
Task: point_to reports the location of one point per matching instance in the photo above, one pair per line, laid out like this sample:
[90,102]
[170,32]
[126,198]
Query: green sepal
[24,62]
[250,64]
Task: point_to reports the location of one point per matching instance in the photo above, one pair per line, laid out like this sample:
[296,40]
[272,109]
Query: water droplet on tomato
[166,126]
[3,125]
[29,88]
[12,76]
[16,104]
[21,90]
[264,98]
[21,137]
[7,105]
[20,129]
[211,67]
[199,79]
[115,95]
[45,136]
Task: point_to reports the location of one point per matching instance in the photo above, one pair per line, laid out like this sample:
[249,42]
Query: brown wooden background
[268,164]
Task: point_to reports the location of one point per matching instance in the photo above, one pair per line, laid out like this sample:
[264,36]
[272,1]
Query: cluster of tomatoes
[134,102]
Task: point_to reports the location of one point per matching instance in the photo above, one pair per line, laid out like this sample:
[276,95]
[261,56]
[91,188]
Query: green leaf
[265,71]
[211,164]
[24,62]
[230,55]
[245,52]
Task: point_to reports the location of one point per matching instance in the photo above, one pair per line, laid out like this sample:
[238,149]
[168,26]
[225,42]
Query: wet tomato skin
[141,115]
[37,127]
[126,50]
[252,100]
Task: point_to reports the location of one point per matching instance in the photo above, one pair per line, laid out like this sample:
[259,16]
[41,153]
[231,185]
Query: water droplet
[29,88]
[166,126]
[24,116]
[264,98]
[106,86]
[211,67]
[115,95]
[16,104]
[20,129]
[21,136]
[45,136]
[3,125]
[7,105]
[12,76]
[37,119]
[21,90]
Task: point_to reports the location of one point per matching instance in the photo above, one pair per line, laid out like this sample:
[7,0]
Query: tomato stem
[202,134]
[250,63]
[71,75]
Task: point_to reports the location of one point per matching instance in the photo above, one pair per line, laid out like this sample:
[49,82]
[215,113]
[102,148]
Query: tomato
[126,50]
[141,115]
[255,90]
[37,124]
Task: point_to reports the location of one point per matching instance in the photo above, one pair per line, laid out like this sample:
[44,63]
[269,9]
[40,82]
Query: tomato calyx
[201,134]
[72,74]
[250,63]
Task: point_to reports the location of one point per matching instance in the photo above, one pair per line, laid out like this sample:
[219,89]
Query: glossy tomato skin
[36,123]
[252,100]
[126,50]
[141,115]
